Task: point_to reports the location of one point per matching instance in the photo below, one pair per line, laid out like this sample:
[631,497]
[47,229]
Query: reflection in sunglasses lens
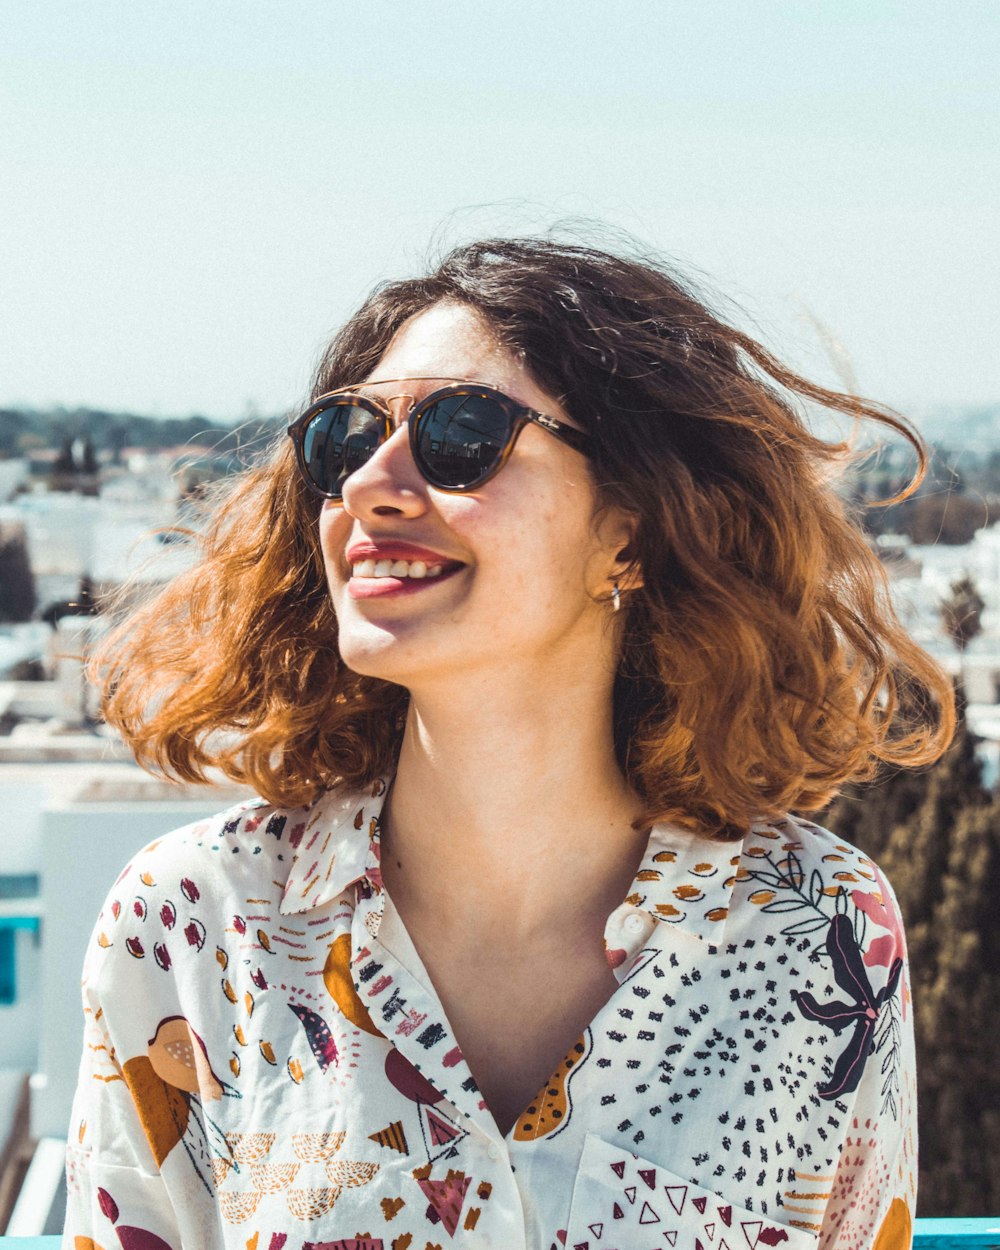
[461,438]
[337,441]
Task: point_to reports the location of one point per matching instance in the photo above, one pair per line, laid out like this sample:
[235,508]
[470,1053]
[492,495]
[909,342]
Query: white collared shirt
[267,1066]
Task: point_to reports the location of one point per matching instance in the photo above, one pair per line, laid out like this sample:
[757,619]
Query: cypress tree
[936,834]
[956,989]
[17,582]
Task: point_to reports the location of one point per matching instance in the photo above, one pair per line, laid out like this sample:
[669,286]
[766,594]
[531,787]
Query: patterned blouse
[266,1065]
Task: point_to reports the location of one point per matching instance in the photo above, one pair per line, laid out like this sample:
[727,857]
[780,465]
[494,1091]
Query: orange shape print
[314,1147]
[350,1172]
[249,1147]
[688,893]
[550,1108]
[269,1178]
[310,1204]
[220,1170]
[180,1058]
[668,909]
[163,1109]
[896,1229]
[339,982]
[238,1207]
[391,1136]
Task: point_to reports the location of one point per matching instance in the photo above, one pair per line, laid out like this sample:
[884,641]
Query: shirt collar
[336,847]
[684,881]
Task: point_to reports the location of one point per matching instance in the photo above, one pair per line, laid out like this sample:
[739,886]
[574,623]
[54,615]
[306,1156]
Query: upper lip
[392,549]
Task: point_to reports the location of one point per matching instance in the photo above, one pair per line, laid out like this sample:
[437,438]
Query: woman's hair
[762,664]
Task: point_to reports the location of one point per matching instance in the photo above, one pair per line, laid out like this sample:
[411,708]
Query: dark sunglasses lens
[338,440]
[460,439]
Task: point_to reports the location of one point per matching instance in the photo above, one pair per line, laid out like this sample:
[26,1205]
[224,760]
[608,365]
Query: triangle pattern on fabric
[392,1136]
[671,1237]
[617,1212]
[441,1130]
[727,1215]
[647,1215]
[446,1196]
[700,1203]
[440,1134]
[619,1169]
[710,1231]
[630,1193]
[751,1231]
[649,1176]
[677,1195]
[596,1229]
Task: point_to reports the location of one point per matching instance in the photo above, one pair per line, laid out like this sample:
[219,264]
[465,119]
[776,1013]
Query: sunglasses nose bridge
[402,410]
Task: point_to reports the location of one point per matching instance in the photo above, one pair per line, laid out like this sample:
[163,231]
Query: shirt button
[494,1151]
[635,923]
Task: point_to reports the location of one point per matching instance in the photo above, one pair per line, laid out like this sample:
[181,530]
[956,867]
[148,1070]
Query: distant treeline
[959,495]
[950,505]
[25,431]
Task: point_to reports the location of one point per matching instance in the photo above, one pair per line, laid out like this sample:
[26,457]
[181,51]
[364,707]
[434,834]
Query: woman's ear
[631,573]
[618,560]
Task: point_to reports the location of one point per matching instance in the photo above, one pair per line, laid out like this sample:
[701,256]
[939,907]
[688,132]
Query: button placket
[411,1017]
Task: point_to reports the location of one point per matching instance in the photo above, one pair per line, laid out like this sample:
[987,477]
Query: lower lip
[383,587]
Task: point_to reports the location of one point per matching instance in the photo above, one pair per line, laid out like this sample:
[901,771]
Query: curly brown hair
[762,664]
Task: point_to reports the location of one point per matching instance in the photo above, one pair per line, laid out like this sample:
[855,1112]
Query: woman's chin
[379,655]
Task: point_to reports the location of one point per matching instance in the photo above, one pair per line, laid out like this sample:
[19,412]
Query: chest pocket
[624,1202]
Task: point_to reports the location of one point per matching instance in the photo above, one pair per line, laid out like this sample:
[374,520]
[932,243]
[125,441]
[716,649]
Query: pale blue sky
[197,191]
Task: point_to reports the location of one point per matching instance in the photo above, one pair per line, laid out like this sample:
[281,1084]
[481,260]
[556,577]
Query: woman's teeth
[395,568]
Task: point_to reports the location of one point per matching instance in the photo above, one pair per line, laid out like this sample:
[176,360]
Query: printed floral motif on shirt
[829,912]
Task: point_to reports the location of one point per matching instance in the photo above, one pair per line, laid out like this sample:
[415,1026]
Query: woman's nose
[389,481]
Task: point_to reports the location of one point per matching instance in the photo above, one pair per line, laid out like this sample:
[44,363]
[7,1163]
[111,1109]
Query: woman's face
[523,558]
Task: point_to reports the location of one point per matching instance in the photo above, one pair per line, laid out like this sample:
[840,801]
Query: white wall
[84,848]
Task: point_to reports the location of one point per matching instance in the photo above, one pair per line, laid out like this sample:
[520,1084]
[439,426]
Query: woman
[531,638]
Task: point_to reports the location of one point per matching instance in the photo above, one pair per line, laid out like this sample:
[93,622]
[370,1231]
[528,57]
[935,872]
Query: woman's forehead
[454,342]
[445,340]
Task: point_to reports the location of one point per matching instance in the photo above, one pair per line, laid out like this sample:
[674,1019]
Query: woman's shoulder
[195,882]
[806,839]
[252,833]
[811,886]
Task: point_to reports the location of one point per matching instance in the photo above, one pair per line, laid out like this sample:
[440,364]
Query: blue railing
[955,1234]
[927,1235]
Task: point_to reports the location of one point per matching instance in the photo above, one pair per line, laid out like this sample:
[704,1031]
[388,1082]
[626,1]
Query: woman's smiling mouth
[395,568]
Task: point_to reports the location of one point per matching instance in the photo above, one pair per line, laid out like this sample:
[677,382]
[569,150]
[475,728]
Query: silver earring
[616,597]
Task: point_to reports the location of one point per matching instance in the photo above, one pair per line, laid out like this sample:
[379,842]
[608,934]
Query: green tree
[17,583]
[63,474]
[962,611]
[955,957]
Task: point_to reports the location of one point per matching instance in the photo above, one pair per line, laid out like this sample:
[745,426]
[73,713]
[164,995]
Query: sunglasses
[460,435]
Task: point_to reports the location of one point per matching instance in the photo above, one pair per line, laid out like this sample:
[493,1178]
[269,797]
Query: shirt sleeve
[115,1190]
[873,1191]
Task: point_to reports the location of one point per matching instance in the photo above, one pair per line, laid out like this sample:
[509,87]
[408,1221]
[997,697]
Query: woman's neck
[507,802]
